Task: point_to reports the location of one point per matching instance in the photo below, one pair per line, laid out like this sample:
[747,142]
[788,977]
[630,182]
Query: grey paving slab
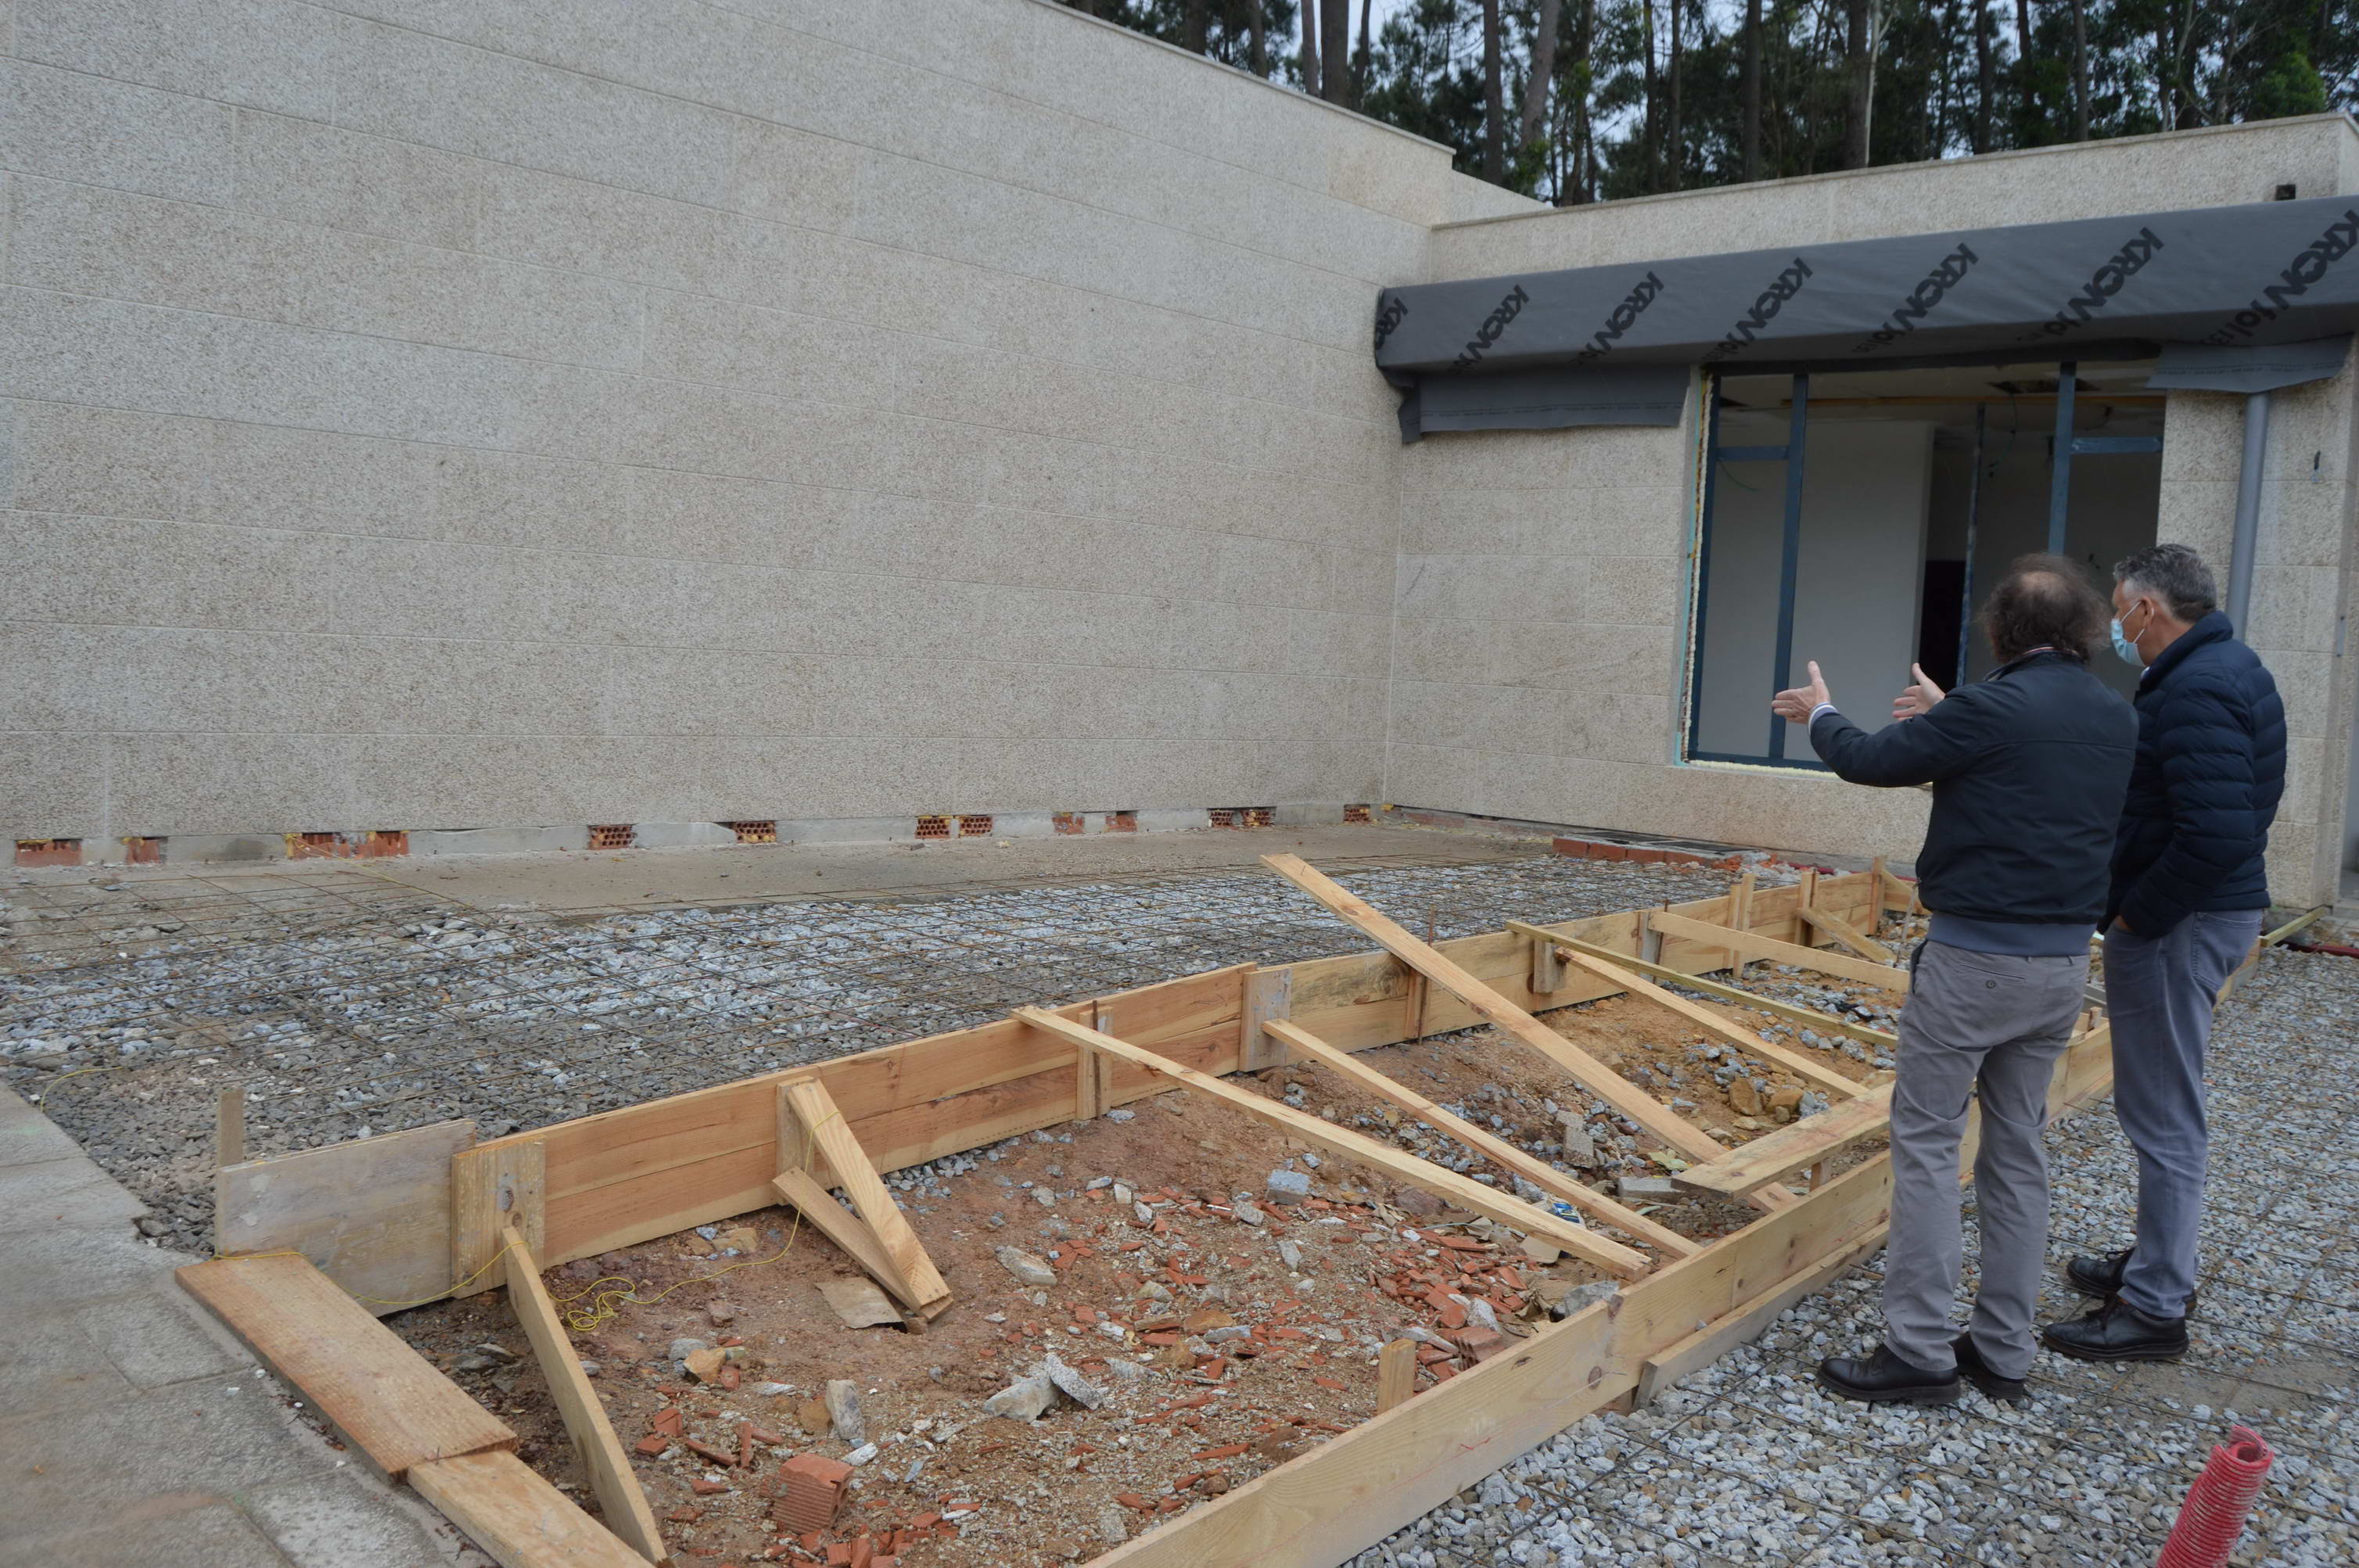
[133,1431]
[155,1341]
[331,1519]
[54,1192]
[200,1532]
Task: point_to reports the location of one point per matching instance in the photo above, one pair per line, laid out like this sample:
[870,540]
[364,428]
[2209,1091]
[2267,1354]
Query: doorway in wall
[1859,519]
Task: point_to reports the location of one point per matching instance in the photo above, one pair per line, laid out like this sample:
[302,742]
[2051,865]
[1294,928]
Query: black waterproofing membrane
[1589,345]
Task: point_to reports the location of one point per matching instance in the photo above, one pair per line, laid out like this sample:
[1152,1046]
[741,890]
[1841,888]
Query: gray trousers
[1977,1025]
[2159,993]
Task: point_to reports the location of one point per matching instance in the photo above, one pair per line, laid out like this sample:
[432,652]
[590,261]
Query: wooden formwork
[417,1215]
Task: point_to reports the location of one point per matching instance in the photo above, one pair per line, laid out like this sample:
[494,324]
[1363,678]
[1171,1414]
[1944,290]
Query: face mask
[2127,650]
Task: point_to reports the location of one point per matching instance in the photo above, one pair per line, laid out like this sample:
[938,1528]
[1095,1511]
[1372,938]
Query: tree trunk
[1536,90]
[1335,64]
[1859,61]
[1986,73]
[1363,58]
[1752,89]
[2080,71]
[1311,46]
[1652,127]
[1494,99]
[1192,25]
[1677,159]
[1258,22]
[1585,28]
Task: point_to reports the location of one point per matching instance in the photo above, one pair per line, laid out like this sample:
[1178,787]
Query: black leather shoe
[1971,1367]
[1884,1379]
[2102,1277]
[2117,1331]
[2098,1276]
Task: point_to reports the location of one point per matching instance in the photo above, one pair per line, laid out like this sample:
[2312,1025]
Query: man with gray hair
[2189,891]
[2028,767]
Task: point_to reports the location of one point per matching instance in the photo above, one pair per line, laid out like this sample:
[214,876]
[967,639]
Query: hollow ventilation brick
[612,835]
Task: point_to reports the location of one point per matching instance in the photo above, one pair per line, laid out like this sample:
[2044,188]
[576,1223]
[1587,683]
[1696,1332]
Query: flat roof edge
[2335,116]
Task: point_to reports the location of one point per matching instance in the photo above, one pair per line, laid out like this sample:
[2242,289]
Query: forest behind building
[1573,101]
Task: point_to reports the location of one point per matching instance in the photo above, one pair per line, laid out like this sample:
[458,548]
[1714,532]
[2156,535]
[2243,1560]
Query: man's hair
[2174,575]
[2044,600]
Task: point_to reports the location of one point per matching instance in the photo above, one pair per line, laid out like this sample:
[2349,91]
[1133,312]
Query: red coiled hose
[2212,1519]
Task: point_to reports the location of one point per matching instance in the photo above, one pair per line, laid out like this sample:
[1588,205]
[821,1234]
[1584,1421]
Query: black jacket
[2211,768]
[2028,769]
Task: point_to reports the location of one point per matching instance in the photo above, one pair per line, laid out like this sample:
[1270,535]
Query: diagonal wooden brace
[1850,935]
[1703,1018]
[1498,1151]
[1659,1119]
[812,1136]
[1463,1191]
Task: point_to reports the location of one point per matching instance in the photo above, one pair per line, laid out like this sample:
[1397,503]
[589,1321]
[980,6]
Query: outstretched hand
[1796,704]
[1917,697]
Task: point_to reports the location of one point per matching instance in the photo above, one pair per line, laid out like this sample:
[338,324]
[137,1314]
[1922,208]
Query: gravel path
[344,1003]
[1751,1463]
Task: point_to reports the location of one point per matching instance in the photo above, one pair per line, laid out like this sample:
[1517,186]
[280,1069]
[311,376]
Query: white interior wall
[1865,491]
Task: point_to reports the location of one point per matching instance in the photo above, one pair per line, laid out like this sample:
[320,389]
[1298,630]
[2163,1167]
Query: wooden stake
[1395,1374]
[229,1128]
[1740,915]
[594,1443]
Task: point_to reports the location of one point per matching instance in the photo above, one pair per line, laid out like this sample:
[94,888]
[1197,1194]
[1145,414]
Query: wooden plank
[1810,1016]
[1740,915]
[1270,993]
[519,1518]
[850,1233]
[1777,1155]
[1840,965]
[492,1188]
[612,1481]
[1850,935]
[823,1123]
[229,1128]
[1664,1370]
[1802,1066]
[373,1216]
[1539,1173]
[387,1400]
[1395,1374]
[1451,1187]
[1625,1096]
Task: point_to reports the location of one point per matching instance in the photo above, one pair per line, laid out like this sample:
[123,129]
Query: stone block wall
[471,413]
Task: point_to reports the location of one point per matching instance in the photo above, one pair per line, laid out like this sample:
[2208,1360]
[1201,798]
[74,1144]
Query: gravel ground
[345,1003]
[1750,1462]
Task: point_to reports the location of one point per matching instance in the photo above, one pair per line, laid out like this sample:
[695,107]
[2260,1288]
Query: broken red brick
[666,1421]
[652,1445]
[1226,1451]
[812,1490]
[1133,1500]
[704,1488]
[685,1514]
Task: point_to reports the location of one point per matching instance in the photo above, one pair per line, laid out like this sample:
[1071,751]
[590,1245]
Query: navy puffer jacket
[2203,791]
